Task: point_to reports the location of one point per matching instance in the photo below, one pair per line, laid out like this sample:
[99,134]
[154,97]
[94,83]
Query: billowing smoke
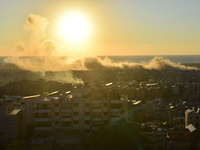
[44,52]
[158,63]
[47,60]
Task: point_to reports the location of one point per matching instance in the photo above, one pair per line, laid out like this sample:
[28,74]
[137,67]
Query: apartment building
[28,102]
[12,122]
[192,116]
[84,109]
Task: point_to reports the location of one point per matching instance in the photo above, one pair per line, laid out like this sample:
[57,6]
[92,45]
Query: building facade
[84,110]
[192,117]
[12,122]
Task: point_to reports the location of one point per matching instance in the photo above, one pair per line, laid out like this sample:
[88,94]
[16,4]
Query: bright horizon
[109,28]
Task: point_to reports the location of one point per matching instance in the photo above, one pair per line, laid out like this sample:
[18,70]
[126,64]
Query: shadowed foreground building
[12,122]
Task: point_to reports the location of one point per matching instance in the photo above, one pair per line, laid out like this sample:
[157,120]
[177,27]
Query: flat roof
[28,97]
[136,102]
[15,111]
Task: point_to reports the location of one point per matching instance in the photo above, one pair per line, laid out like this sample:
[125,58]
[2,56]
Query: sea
[183,59]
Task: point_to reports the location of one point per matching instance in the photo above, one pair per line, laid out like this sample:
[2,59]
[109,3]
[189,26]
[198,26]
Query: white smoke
[47,60]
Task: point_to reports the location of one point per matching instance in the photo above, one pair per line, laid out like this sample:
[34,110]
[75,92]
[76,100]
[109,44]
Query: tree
[121,135]
[194,142]
[159,147]
[15,145]
[29,131]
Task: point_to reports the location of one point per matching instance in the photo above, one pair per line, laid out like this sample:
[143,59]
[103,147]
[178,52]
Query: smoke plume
[47,60]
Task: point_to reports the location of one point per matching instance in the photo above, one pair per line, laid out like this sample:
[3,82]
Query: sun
[75,27]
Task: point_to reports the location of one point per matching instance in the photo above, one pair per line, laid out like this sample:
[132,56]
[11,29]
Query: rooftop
[15,111]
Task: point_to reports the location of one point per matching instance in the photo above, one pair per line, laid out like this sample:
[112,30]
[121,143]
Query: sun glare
[74,27]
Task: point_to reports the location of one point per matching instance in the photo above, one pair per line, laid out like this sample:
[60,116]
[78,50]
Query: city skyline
[115,27]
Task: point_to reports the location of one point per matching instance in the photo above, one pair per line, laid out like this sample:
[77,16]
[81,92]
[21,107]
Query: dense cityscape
[105,109]
[99,75]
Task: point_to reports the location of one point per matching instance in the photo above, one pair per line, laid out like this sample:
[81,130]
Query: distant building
[159,136]
[192,117]
[182,139]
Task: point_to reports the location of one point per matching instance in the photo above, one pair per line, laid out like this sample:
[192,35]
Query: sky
[128,27]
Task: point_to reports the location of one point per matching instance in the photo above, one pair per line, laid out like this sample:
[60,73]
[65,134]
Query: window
[76,113]
[105,113]
[87,122]
[87,130]
[87,113]
[96,123]
[76,122]
[66,123]
[105,104]
[75,104]
[105,122]
[87,105]
[115,106]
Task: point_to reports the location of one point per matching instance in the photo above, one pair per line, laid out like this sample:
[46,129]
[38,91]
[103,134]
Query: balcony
[75,101]
[115,110]
[115,119]
[96,119]
[115,101]
[75,126]
[105,101]
[42,102]
[105,117]
[42,110]
[96,101]
[87,109]
[95,128]
[86,117]
[56,118]
[66,119]
[86,100]
[76,109]
[56,100]
[96,110]
[76,118]
[66,110]
[56,109]
[42,128]
[105,109]
[42,119]
[56,126]
[66,128]
[86,126]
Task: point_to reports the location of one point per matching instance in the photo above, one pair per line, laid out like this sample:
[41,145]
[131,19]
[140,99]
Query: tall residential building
[84,109]
[28,102]
[12,122]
